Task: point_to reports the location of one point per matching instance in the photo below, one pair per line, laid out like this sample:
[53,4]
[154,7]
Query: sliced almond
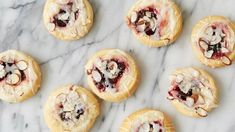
[179,78]
[141,28]
[68,107]
[144,128]
[22,65]
[208,54]
[189,101]
[215,39]
[112,66]
[201,112]
[203,45]
[148,14]
[133,17]
[64,16]
[209,31]
[1,67]
[16,71]
[224,50]
[226,60]
[153,24]
[51,26]
[12,79]
[96,76]
[146,18]
[2,73]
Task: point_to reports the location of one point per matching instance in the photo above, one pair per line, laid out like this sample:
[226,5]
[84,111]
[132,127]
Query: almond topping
[12,79]
[201,112]
[200,100]
[215,39]
[51,26]
[112,66]
[133,17]
[203,45]
[226,60]
[96,76]
[22,65]
[224,50]
[208,54]
[189,101]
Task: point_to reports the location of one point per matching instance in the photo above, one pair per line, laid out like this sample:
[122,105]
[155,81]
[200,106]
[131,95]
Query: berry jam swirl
[67,14]
[190,90]
[69,106]
[215,43]
[155,126]
[106,74]
[148,21]
[12,72]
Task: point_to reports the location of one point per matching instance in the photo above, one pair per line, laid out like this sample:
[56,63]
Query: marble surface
[21,27]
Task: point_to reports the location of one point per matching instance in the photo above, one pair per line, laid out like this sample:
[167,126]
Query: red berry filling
[109,75]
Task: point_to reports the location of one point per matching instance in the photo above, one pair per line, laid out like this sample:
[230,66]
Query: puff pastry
[193,92]
[213,40]
[155,22]
[71,108]
[147,120]
[20,76]
[112,75]
[68,19]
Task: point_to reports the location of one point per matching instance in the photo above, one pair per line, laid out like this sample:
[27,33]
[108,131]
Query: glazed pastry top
[193,90]
[216,41]
[66,15]
[17,74]
[70,108]
[154,18]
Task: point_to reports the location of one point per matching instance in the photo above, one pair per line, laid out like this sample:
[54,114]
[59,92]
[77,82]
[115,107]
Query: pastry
[155,22]
[112,75]
[68,19]
[20,76]
[71,108]
[193,92]
[213,40]
[147,120]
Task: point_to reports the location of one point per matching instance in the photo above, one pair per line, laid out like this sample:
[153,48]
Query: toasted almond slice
[153,24]
[96,76]
[215,39]
[2,73]
[22,65]
[133,17]
[195,97]
[201,112]
[112,66]
[179,78]
[1,67]
[16,71]
[208,54]
[203,45]
[141,28]
[64,16]
[148,14]
[209,31]
[51,26]
[226,60]
[12,79]
[189,101]
[145,127]
[224,50]
[146,18]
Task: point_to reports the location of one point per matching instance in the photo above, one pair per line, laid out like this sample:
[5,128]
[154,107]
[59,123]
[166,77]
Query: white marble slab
[21,27]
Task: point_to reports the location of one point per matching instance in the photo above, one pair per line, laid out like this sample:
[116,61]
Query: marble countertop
[21,27]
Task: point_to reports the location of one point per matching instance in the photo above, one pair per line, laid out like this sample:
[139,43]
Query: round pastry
[147,120]
[213,40]
[68,19]
[20,76]
[155,22]
[71,108]
[193,92]
[112,75]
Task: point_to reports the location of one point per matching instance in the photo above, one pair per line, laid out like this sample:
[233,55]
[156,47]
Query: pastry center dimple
[107,73]
[69,106]
[214,44]
[13,72]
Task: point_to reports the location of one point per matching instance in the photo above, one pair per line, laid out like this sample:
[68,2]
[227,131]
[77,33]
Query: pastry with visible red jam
[20,76]
[155,23]
[213,40]
[68,19]
[112,75]
[147,120]
[193,92]
[71,108]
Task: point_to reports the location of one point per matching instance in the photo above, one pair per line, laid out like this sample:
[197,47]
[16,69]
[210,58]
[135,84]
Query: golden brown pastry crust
[190,111]
[85,121]
[196,33]
[146,115]
[29,78]
[73,31]
[127,83]
[169,36]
